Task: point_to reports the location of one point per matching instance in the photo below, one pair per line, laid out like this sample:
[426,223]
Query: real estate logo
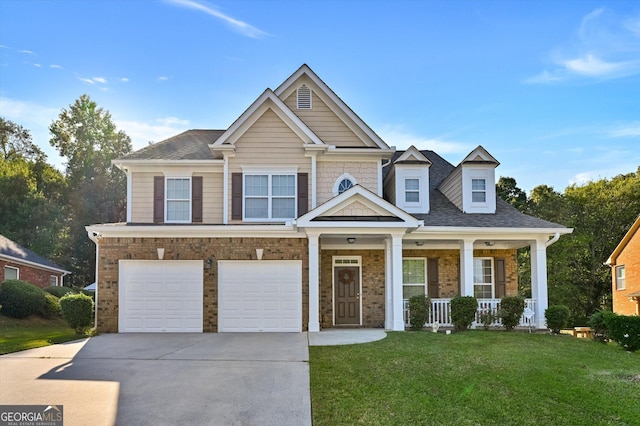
[31,415]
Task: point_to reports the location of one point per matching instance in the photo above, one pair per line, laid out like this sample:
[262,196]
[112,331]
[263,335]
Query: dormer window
[304,97]
[479,190]
[412,190]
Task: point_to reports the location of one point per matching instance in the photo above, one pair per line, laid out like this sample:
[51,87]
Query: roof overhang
[158,165]
[611,261]
[34,264]
[124,230]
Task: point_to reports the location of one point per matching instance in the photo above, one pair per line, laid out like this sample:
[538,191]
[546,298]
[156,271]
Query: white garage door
[160,296]
[263,295]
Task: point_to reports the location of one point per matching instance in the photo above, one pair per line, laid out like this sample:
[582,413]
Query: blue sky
[550,88]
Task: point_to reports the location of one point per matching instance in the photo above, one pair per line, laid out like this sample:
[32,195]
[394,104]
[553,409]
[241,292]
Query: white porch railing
[440,312]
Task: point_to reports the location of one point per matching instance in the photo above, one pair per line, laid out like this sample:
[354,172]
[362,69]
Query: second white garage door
[260,295]
[160,296]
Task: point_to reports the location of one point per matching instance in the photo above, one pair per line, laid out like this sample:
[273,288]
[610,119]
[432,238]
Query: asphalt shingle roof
[189,145]
[15,250]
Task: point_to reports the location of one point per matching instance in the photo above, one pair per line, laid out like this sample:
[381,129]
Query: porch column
[396,273]
[466,268]
[388,285]
[539,280]
[314,284]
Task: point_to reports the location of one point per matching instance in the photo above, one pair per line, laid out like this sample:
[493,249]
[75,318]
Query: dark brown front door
[347,295]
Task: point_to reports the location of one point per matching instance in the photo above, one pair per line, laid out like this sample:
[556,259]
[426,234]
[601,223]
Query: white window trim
[166,199]
[426,279]
[56,279]
[493,278]
[12,267]
[336,185]
[269,196]
[624,278]
[419,190]
[486,195]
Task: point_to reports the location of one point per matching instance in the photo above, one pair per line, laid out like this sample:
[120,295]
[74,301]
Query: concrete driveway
[172,379]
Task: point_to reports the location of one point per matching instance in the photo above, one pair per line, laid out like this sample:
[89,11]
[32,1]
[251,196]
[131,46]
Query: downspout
[95,237]
[552,240]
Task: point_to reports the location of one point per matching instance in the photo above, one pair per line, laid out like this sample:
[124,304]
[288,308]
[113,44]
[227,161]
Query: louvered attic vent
[304,97]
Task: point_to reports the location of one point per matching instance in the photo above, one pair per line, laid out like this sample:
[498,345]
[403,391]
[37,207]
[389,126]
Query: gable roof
[14,252]
[189,145]
[623,243]
[412,156]
[480,156]
[305,70]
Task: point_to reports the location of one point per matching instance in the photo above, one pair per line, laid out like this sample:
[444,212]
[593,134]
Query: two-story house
[299,216]
[625,272]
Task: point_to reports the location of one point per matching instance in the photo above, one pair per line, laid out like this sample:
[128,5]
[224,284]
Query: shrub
[557,317]
[487,317]
[59,291]
[625,330]
[418,312]
[511,309]
[51,307]
[463,311]
[19,299]
[599,323]
[77,310]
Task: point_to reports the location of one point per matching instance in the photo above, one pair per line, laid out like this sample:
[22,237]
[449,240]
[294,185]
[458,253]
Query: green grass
[32,332]
[475,378]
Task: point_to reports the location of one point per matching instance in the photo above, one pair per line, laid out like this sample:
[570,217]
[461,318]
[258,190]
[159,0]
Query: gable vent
[304,97]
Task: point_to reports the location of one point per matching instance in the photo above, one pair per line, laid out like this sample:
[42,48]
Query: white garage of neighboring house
[167,296]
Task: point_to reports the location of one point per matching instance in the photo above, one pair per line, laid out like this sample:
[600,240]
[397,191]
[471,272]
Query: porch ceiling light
[489,243]
[419,243]
[351,240]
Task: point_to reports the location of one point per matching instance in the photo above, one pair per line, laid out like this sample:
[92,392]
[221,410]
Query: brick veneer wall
[30,274]
[630,258]
[111,250]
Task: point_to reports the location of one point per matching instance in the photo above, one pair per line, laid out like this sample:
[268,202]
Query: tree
[32,203]
[508,190]
[87,137]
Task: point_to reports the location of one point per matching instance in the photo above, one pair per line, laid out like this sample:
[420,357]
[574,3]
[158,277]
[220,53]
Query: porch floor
[337,336]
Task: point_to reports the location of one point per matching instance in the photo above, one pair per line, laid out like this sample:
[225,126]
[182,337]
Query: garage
[160,296]
[260,295]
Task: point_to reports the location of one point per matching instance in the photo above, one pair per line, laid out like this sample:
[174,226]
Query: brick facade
[113,249]
[31,274]
[630,258]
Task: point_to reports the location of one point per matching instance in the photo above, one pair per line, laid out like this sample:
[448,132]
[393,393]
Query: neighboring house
[19,263]
[625,271]
[299,216]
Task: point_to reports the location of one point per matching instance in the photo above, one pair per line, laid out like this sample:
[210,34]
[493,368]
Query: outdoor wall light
[351,240]
[160,253]
[208,263]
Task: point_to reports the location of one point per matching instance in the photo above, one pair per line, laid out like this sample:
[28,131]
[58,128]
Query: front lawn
[32,332]
[475,378]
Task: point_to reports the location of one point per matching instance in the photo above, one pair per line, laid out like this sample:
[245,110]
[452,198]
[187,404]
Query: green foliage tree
[87,137]
[508,190]
[32,211]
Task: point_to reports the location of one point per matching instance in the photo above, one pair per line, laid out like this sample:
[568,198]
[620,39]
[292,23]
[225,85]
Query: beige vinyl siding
[451,187]
[328,172]
[269,144]
[356,209]
[325,123]
[142,197]
[211,197]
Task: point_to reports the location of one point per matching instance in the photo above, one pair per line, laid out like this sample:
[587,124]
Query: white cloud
[124,80]
[58,67]
[93,80]
[100,80]
[582,178]
[86,80]
[37,65]
[27,52]
[238,26]
[163,78]
[142,133]
[604,47]
[401,139]
[625,130]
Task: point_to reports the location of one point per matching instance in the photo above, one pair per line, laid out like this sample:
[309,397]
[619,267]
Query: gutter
[552,240]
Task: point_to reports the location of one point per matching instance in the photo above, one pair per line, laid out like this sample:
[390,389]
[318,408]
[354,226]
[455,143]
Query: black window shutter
[196,199]
[501,278]
[432,279]
[236,196]
[303,193]
[158,199]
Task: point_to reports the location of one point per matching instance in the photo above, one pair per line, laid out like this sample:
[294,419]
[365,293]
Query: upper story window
[304,97]
[269,196]
[483,281]
[620,278]
[414,277]
[11,273]
[344,185]
[478,190]
[412,190]
[178,200]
